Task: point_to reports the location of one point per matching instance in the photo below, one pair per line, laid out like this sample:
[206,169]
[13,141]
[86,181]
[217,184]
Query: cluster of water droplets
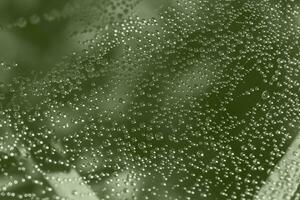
[198,101]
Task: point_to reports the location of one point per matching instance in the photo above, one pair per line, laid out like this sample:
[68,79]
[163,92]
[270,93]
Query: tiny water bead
[2,86]
[265,95]
[21,23]
[34,19]
[2,96]
[189,99]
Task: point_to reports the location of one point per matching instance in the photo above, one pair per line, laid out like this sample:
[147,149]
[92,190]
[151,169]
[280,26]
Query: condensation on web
[166,100]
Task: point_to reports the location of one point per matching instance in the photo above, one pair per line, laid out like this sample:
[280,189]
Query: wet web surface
[154,100]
